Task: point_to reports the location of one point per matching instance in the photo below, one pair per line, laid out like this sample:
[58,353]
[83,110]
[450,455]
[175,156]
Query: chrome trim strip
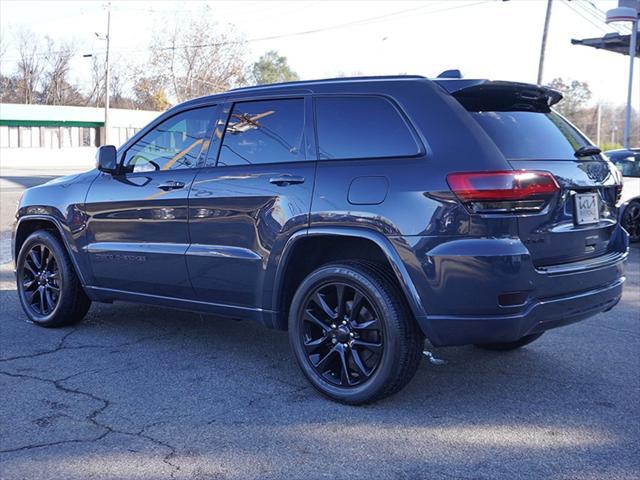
[150,247]
[606,260]
[222,251]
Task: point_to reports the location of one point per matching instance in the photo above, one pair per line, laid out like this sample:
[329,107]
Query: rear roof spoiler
[488,95]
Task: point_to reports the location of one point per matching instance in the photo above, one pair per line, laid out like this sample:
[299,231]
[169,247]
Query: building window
[13,137]
[4,136]
[51,137]
[74,133]
[65,137]
[85,140]
[25,137]
[35,137]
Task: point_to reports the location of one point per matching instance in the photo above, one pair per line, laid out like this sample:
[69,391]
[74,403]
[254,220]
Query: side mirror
[107,159]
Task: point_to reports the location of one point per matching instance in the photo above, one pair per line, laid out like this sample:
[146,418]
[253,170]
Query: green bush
[604,146]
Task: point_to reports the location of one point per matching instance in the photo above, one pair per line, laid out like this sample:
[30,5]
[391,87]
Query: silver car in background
[628,162]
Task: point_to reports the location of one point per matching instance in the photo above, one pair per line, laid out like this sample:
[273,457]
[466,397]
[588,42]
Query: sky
[492,39]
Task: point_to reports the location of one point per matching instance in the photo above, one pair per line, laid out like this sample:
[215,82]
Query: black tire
[505,346]
[379,346]
[631,220]
[48,288]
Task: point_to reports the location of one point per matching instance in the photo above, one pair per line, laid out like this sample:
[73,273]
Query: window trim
[124,149]
[310,150]
[422,150]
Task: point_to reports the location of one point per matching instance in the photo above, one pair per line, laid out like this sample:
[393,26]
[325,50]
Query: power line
[583,16]
[602,15]
[598,15]
[367,21]
[593,20]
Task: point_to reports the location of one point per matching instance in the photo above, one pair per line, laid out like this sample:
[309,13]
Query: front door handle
[286,179]
[171,185]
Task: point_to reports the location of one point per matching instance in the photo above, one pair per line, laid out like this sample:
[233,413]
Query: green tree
[273,68]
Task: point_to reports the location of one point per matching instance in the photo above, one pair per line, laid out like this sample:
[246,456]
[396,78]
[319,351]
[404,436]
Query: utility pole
[598,122]
[106,79]
[543,47]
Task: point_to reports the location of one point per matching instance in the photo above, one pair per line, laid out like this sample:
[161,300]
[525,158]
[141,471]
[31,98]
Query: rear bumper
[486,290]
[540,316]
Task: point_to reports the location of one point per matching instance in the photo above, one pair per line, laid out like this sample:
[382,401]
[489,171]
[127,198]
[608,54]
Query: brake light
[504,191]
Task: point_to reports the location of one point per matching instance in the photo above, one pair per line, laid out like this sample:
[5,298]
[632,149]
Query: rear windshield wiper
[587,151]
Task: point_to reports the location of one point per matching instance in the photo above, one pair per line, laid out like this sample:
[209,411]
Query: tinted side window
[362,127]
[175,143]
[270,131]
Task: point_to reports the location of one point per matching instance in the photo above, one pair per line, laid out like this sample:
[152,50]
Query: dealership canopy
[614,42]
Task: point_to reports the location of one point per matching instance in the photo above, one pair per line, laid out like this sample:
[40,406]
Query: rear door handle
[171,185]
[286,179]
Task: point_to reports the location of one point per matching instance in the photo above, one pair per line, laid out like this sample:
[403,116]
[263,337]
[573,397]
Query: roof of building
[21,114]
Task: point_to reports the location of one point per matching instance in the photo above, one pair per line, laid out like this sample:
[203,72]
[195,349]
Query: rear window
[524,135]
[362,127]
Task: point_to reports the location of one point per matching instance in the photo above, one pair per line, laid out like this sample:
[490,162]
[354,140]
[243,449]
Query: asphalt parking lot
[146,393]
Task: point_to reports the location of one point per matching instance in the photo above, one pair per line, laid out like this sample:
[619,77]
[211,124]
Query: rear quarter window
[524,135]
[362,127]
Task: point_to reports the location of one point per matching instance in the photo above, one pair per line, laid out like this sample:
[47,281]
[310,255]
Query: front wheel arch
[28,225]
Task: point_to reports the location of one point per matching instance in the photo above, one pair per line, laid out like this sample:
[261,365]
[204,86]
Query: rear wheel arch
[306,251]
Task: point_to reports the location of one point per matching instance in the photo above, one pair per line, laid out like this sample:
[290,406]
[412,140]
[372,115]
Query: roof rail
[455,73]
[302,83]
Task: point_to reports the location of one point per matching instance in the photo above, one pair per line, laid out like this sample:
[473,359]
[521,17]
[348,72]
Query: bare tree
[95,95]
[30,66]
[4,46]
[197,58]
[575,94]
[56,86]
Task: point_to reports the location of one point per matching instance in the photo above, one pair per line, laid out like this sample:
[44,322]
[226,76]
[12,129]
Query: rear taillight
[618,192]
[504,191]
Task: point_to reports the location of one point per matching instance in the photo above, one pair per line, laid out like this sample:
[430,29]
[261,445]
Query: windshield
[524,135]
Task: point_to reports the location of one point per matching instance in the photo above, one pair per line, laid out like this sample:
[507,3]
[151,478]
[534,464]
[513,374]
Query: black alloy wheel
[631,221]
[342,335]
[48,286]
[352,333]
[40,279]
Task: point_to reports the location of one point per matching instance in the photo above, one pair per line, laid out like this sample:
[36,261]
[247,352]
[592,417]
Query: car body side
[451,267]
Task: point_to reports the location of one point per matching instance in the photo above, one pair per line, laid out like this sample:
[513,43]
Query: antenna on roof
[451,74]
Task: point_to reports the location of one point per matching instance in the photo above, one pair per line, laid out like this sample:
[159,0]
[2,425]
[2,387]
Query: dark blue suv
[362,215]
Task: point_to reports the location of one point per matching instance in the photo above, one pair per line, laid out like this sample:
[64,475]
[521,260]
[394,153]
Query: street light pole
[632,56]
[627,11]
[106,79]
[543,47]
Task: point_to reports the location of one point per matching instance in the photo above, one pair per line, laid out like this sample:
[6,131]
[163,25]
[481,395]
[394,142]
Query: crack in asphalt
[104,402]
[92,418]
[61,346]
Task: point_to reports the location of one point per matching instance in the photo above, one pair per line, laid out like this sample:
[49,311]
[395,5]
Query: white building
[61,137]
